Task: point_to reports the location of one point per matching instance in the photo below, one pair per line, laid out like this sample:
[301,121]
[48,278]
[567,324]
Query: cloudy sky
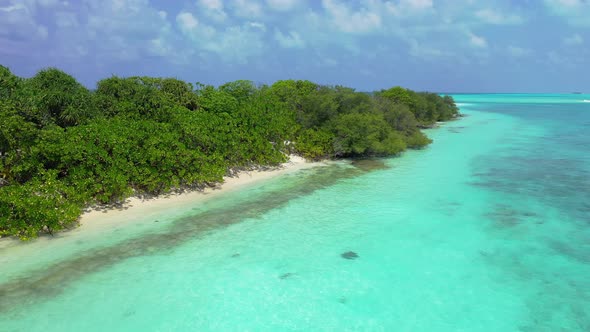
[436,45]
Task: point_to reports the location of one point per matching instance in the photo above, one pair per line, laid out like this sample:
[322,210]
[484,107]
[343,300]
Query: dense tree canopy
[427,107]
[64,147]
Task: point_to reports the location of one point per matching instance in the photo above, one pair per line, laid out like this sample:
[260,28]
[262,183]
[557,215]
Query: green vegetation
[64,148]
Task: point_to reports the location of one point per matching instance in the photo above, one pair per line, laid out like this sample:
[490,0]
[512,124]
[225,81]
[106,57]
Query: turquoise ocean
[487,229]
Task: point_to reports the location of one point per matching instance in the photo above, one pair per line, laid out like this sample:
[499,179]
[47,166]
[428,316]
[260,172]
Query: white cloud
[575,12]
[351,21]
[406,7]
[187,21]
[567,58]
[282,5]
[328,62]
[233,43]
[247,8]
[213,9]
[159,47]
[422,51]
[495,17]
[575,39]
[257,25]
[102,29]
[516,51]
[568,3]
[190,26]
[13,7]
[212,4]
[237,43]
[18,23]
[122,29]
[416,4]
[477,41]
[291,40]
[239,30]
[48,3]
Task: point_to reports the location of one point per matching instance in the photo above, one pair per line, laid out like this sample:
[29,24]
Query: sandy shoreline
[134,206]
[107,221]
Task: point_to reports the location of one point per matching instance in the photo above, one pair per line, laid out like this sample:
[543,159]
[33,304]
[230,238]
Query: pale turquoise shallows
[488,229]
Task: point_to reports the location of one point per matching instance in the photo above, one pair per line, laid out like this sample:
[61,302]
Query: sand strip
[97,223]
[137,208]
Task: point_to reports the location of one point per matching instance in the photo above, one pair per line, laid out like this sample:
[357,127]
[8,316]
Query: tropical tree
[58,98]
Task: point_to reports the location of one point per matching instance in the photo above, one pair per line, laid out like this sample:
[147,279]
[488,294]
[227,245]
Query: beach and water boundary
[100,221]
[462,235]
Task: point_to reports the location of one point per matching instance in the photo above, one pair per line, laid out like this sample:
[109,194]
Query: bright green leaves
[315,144]
[9,84]
[426,107]
[63,147]
[362,134]
[241,90]
[216,101]
[338,121]
[176,91]
[417,140]
[131,98]
[43,204]
[318,107]
[58,98]
[398,95]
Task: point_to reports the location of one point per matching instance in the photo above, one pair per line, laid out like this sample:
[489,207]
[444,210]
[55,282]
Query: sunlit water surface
[488,229]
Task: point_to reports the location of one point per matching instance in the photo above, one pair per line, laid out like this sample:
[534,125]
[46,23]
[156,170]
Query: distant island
[64,148]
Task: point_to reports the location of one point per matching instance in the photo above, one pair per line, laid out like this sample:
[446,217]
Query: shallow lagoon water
[485,230]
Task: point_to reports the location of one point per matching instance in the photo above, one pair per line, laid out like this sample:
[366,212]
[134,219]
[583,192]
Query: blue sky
[436,45]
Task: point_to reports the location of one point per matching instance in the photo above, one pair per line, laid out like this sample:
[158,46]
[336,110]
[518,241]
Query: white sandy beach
[136,208]
[114,224]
